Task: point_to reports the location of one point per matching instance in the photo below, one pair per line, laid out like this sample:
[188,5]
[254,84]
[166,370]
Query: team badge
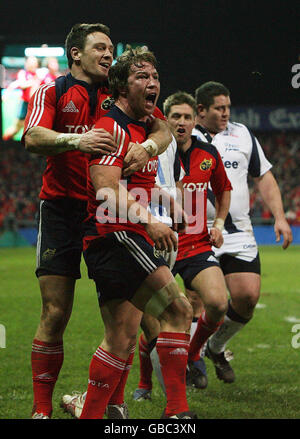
[48,254]
[157,253]
[107,103]
[206,164]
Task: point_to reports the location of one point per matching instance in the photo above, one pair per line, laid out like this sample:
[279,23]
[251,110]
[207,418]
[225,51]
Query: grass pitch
[266,363]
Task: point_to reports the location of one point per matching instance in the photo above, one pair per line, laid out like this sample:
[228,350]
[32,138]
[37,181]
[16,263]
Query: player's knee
[54,318]
[131,342]
[53,312]
[122,342]
[185,310]
[248,300]
[151,326]
[252,298]
[180,313]
[217,308]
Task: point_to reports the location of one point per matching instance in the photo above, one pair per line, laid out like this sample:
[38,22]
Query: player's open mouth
[106,65]
[151,98]
[181,130]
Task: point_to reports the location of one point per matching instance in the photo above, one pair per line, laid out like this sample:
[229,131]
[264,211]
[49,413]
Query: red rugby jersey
[203,165]
[25,75]
[66,106]
[125,130]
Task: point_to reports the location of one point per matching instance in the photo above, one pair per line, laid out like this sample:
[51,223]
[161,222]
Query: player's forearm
[161,135]
[270,193]
[44,141]
[118,200]
[128,208]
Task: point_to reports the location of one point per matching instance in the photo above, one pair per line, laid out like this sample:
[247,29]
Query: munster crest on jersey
[206,164]
[107,103]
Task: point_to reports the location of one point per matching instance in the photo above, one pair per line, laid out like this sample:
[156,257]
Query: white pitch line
[292,319]
[263,346]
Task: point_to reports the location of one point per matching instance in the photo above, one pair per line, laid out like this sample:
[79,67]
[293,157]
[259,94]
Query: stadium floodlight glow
[44,51]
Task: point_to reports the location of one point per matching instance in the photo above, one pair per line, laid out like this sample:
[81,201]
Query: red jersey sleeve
[41,108]
[219,180]
[157,113]
[122,140]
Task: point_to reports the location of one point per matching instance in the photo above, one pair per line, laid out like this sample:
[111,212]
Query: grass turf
[266,364]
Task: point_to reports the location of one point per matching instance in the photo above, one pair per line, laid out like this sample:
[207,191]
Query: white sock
[193,327]
[218,341]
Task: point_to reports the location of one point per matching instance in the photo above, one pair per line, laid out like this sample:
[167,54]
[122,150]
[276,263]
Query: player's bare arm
[270,193]
[104,177]
[157,142]
[48,142]
[222,208]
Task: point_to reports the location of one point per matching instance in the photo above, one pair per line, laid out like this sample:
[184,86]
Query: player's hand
[216,237]
[162,236]
[281,227]
[135,159]
[97,140]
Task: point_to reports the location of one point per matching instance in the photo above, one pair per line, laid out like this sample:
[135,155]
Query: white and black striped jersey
[242,155]
[170,169]
[169,172]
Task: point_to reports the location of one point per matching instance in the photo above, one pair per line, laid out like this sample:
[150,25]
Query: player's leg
[197,306]
[243,282]
[244,291]
[148,355]
[57,293]
[47,348]
[160,296]
[196,375]
[112,360]
[209,284]
[111,363]
[18,123]
[58,261]
[119,266]
[13,130]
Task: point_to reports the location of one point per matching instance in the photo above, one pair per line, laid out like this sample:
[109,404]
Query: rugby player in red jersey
[53,71]
[27,81]
[120,242]
[60,125]
[195,261]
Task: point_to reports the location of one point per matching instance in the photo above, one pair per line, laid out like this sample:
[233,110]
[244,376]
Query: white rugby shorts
[240,245]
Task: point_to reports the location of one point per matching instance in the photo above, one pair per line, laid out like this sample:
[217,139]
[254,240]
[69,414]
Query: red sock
[46,361]
[105,373]
[118,396]
[172,349]
[145,365]
[205,328]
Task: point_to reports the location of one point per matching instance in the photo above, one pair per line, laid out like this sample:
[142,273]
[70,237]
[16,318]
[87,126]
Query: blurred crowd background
[21,179]
[21,172]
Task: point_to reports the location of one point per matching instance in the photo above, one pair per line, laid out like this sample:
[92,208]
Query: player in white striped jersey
[242,155]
